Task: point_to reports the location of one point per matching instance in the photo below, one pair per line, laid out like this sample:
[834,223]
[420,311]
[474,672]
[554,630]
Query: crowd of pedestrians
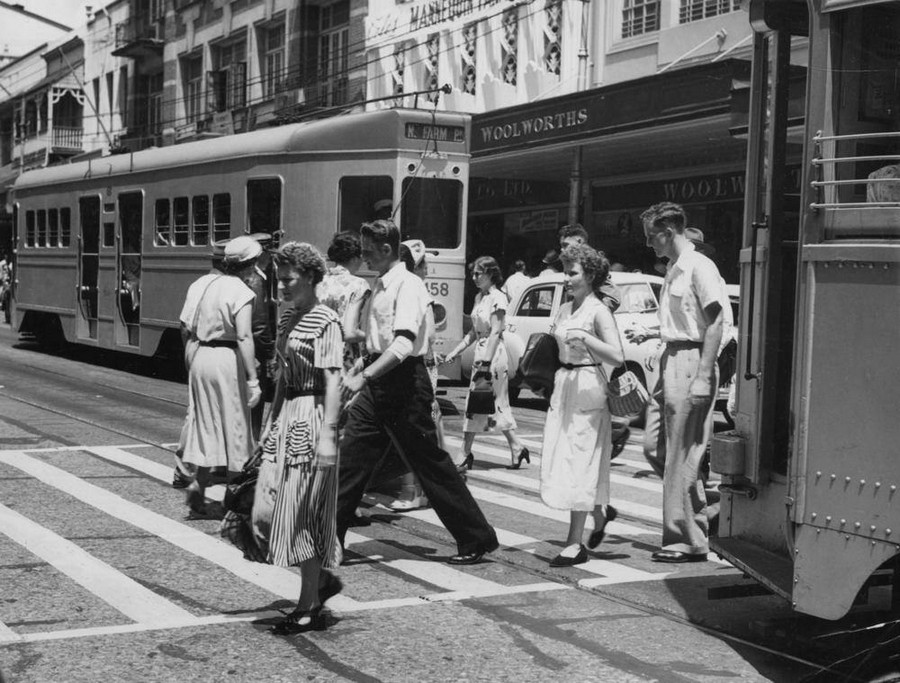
[348,378]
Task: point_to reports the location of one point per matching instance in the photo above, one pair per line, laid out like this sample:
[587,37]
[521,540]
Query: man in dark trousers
[263,326]
[393,398]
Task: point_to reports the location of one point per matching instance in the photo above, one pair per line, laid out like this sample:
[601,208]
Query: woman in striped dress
[300,445]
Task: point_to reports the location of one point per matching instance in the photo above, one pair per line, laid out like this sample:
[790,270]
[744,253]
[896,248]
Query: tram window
[359,194]
[41,228]
[65,227]
[221,217]
[109,233]
[29,228]
[431,211]
[264,205]
[89,211]
[53,228]
[131,221]
[200,224]
[181,221]
[163,222]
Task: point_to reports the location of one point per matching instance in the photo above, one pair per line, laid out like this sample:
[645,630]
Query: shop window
[65,227]
[181,222]
[264,205]
[467,57]
[509,47]
[695,10]
[29,229]
[53,228]
[639,17]
[41,228]
[553,36]
[221,216]
[163,223]
[432,81]
[200,222]
[358,197]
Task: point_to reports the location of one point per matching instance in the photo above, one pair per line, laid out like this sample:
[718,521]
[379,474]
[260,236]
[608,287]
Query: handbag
[539,363]
[240,491]
[481,395]
[626,394]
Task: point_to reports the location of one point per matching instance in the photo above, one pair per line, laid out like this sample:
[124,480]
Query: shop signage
[222,123]
[488,194]
[429,14]
[535,127]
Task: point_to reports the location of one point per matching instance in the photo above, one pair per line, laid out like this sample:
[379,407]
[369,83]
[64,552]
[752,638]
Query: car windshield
[636,297]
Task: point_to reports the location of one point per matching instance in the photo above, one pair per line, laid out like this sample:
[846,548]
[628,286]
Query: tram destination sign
[436,132]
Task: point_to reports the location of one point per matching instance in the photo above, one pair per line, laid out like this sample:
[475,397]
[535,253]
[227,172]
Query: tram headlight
[440,316]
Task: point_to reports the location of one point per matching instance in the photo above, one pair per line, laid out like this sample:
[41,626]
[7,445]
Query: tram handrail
[856,136]
[818,161]
[855,205]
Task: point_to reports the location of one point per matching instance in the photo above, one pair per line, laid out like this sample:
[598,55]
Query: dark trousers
[398,405]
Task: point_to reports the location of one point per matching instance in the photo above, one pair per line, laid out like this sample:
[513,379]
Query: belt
[679,344]
[220,342]
[297,393]
[572,366]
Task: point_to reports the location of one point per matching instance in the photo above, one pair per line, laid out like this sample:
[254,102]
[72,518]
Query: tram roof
[362,131]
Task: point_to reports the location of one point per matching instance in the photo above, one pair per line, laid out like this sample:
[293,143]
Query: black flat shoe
[466,558]
[562,561]
[619,443]
[596,537]
[180,480]
[676,556]
[300,622]
[523,455]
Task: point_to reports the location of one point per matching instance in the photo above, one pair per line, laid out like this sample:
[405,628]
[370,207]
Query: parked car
[536,307]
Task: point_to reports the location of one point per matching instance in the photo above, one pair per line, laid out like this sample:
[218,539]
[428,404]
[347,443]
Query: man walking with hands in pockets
[691,315]
[393,401]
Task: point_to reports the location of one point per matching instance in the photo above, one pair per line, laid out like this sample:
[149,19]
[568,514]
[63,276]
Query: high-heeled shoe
[301,622]
[523,455]
[596,537]
[466,464]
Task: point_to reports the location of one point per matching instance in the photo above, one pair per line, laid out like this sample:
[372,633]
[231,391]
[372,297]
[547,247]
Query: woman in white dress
[488,323]
[577,433]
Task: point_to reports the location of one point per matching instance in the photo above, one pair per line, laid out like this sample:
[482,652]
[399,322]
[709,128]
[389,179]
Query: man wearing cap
[393,398]
[263,324]
[691,316]
[551,263]
[383,209]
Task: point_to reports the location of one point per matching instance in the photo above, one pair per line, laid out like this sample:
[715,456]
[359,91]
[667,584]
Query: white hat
[243,248]
[418,250]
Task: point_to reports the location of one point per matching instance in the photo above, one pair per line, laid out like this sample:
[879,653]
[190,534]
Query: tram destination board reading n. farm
[439,133]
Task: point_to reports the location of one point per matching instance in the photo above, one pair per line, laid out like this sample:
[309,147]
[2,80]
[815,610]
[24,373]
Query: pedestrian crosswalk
[525,527]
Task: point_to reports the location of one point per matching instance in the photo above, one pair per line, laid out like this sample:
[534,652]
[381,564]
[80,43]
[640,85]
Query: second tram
[105,249]
[812,473]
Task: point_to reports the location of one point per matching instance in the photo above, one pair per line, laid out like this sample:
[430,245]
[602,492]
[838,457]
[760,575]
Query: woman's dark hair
[344,247]
[518,266]
[302,257]
[592,262]
[407,258]
[490,266]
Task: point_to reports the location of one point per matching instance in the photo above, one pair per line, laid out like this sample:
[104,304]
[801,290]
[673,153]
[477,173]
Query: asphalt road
[102,577]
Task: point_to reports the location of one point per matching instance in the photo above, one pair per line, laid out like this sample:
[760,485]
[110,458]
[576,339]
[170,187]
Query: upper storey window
[695,10]
[639,17]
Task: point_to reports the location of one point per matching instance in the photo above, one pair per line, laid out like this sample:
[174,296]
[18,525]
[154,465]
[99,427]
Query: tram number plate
[427,131]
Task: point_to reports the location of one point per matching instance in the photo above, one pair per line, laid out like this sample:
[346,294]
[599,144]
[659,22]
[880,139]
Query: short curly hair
[302,257]
[593,263]
[490,266]
[344,247]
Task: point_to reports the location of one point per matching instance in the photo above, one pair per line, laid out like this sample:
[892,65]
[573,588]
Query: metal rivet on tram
[857,525]
[872,528]
[813,515]
[827,519]
[847,479]
[843,522]
[877,484]
[887,532]
[862,482]
[818,474]
[847,537]
[893,488]
[833,477]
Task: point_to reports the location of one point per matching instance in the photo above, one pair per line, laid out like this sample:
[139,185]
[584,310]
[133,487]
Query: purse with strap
[481,394]
[626,394]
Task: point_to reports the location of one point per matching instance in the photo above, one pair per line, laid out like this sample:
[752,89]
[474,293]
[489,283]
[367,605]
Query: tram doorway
[88,267]
[128,268]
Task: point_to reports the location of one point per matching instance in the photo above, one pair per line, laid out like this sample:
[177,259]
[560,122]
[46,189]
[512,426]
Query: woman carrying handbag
[575,461]
[487,407]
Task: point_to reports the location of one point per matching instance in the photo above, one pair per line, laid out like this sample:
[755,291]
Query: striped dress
[303,518]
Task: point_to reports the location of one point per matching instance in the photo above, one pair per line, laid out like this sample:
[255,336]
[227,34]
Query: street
[104,577]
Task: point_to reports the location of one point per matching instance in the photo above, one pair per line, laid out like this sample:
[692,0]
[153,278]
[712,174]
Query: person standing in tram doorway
[691,320]
[216,323]
[393,393]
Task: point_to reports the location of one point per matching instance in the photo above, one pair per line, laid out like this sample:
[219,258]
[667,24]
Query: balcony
[66,140]
[139,38]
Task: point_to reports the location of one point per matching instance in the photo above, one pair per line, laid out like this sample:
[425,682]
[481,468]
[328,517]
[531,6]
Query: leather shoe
[466,558]
[329,586]
[563,561]
[676,556]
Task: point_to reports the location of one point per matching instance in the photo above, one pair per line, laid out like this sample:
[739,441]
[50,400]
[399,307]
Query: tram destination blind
[427,131]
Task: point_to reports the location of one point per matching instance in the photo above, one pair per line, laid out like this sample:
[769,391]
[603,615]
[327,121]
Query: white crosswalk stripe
[150,610]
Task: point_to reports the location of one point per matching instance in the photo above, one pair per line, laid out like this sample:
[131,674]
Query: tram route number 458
[438,288]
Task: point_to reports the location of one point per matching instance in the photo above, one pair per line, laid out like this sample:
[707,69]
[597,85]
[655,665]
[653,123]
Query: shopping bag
[481,394]
[626,394]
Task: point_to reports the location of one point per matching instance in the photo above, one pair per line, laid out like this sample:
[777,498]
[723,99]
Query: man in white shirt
[516,282]
[691,317]
[393,402]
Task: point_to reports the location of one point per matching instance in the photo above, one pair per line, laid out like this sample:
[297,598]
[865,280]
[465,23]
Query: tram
[105,249]
[811,472]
